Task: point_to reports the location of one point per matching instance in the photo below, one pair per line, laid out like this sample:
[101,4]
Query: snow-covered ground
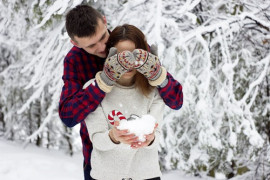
[18,163]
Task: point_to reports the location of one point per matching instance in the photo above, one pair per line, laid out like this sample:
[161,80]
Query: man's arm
[76,103]
[170,90]
[172,93]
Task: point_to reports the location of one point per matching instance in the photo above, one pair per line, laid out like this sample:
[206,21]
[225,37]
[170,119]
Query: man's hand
[149,139]
[116,65]
[122,136]
[147,64]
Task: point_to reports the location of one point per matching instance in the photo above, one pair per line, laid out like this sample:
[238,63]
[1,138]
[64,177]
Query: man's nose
[101,46]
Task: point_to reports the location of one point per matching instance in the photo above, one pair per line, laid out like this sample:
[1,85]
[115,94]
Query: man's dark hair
[82,21]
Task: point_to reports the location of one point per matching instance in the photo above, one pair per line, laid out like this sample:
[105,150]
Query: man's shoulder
[76,53]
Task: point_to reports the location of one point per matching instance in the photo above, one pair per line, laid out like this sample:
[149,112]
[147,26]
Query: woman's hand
[149,139]
[122,136]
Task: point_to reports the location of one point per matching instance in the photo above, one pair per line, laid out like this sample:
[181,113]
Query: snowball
[139,126]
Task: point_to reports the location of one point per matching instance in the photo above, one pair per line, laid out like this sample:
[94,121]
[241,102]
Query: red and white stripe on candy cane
[114,113]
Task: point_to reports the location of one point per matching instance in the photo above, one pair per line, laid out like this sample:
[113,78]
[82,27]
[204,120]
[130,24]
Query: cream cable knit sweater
[111,161]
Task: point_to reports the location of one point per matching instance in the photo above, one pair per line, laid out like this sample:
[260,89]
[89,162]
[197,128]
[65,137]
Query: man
[87,29]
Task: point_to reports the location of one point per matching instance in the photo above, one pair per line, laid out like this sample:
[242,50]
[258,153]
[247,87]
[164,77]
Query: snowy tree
[218,50]
[30,98]
[13,28]
[222,74]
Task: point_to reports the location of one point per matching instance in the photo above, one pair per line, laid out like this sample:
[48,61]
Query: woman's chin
[127,76]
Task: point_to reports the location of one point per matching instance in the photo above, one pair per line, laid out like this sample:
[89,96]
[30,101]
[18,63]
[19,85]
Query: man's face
[95,44]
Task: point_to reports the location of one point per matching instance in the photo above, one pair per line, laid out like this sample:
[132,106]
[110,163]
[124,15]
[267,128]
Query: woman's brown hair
[132,33]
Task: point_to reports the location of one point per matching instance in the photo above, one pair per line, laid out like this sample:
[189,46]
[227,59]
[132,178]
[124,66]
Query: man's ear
[74,43]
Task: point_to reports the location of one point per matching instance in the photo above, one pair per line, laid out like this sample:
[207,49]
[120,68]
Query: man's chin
[102,55]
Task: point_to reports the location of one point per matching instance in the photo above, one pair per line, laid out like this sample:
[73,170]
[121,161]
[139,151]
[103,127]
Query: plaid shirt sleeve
[76,103]
[172,93]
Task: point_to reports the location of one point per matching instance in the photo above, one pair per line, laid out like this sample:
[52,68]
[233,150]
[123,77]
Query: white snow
[33,163]
[58,7]
[220,176]
[221,63]
[139,126]
[37,163]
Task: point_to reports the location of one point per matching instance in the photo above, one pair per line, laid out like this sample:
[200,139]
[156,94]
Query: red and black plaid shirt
[76,103]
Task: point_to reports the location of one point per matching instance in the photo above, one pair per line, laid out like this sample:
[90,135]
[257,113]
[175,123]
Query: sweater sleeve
[156,110]
[172,93]
[98,129]
[76,103]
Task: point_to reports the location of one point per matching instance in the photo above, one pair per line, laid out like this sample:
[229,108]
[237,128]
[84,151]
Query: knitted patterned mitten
[148,64]
[114,67]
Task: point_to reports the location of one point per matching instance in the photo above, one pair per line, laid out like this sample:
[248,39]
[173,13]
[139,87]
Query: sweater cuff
[161,78]
[103,86]
[155,143]
[103,142]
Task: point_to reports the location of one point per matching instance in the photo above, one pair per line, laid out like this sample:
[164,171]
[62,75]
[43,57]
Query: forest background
[218,50]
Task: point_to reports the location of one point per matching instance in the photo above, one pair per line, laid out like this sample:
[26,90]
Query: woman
[132,95]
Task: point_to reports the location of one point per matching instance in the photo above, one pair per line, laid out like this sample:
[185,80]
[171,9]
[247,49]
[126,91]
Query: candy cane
[115,113]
